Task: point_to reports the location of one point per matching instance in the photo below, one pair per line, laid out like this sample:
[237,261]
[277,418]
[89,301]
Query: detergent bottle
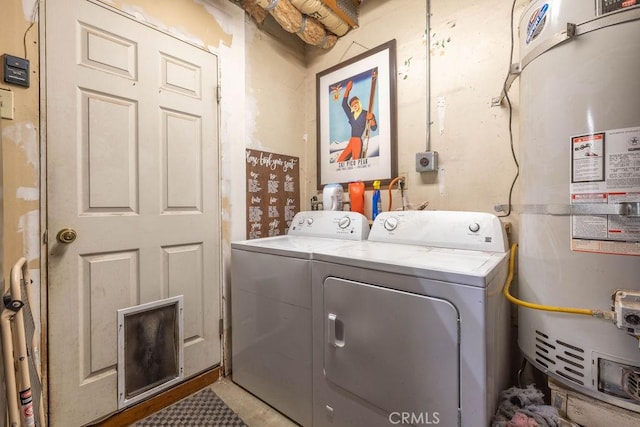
[332,195]
[376,204]
[356,196]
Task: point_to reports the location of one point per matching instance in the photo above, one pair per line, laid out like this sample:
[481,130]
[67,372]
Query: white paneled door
[132,176]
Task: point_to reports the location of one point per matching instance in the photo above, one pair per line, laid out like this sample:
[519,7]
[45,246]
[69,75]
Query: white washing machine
[271,308]
[410,327]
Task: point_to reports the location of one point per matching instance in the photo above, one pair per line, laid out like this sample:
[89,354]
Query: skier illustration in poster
[362,122]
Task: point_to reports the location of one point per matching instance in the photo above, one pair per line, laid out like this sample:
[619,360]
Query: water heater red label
[605,169]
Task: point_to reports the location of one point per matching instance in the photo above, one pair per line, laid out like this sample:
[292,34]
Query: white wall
[275,101]
[469,55]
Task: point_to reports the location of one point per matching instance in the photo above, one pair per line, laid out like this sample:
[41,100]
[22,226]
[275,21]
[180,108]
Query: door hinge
[220,327]
[45,237]
[218,93]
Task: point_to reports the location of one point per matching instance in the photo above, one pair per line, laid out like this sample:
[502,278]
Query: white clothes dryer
[410,327]
[271,308]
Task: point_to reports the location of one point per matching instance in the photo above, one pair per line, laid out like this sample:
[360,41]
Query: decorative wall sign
[356,114]
[273,193]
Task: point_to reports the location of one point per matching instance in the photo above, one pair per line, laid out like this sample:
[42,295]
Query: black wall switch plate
[16,70]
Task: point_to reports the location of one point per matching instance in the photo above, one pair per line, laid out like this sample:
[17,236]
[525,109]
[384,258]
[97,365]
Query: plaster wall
[449,112]
[275,101]
[20,152]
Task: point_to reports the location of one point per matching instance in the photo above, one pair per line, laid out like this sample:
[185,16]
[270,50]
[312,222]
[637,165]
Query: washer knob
[474,228]
[391,223]
[309,221]
[344,222]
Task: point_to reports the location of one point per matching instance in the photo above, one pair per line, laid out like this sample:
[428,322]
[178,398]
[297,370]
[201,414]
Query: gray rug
[203,409]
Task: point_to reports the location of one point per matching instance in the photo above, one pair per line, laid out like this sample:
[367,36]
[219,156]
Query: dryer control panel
[477,231]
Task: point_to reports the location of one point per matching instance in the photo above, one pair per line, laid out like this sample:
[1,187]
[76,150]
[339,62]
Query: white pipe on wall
[427,33]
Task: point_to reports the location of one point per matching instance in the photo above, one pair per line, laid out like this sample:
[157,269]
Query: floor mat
[203,409]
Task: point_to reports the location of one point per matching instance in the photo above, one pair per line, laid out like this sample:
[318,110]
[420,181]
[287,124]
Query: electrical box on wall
[426,161]
[15,70]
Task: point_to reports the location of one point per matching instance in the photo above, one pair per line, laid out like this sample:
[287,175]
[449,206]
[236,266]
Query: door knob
[67,235]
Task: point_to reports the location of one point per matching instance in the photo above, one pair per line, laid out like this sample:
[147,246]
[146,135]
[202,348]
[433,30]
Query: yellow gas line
[505,290]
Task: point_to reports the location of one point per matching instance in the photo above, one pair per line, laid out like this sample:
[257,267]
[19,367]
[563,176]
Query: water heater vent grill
[572,347]
[540,348]
[547,360]
[545,351]
[631,383]
[574,356]
[562,374]
[573,371]
[564,359]
[545,343]
[542,335]
[570,364]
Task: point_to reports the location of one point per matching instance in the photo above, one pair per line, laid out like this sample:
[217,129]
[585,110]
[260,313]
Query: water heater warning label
[588,158]
[605,168]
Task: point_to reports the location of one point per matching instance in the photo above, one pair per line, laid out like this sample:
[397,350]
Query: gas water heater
[580,192]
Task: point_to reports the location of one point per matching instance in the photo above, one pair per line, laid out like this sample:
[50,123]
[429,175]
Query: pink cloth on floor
[521,420]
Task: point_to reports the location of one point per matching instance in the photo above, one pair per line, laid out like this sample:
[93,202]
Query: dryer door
[396,350]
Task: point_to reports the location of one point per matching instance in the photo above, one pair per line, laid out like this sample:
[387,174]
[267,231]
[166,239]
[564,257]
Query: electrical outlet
[6,104]
[426,161]
[403,177]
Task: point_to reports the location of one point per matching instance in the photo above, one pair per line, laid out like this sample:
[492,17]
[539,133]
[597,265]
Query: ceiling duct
[337,16]
[316,22]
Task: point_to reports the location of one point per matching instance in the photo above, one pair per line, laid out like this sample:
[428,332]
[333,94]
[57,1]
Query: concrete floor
[253,411]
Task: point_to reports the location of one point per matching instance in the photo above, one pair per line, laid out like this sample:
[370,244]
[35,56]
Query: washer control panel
[331,224]
[445,229]
[391,223]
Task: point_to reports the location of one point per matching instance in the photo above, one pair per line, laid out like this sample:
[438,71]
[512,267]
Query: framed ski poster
[356,119]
